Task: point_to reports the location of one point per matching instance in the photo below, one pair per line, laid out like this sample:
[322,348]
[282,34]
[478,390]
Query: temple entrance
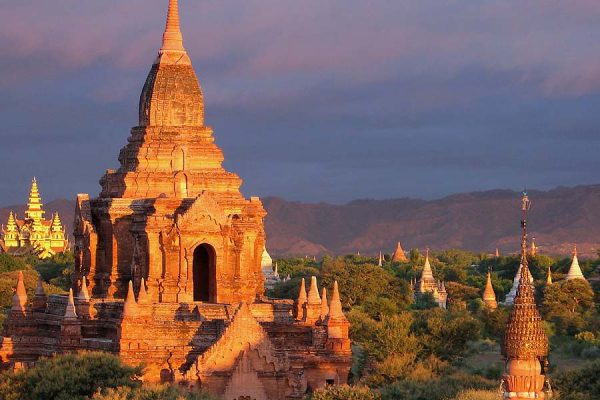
[204,273]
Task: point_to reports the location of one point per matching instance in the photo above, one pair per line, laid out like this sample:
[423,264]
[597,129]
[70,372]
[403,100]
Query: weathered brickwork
[168,266]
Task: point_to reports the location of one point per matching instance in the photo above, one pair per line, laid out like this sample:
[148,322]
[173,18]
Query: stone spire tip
[172,37]
[313,292]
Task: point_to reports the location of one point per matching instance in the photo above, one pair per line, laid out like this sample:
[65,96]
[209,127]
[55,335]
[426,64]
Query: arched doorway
[204,273]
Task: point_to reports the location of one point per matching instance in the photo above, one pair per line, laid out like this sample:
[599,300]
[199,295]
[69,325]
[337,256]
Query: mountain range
[479,221]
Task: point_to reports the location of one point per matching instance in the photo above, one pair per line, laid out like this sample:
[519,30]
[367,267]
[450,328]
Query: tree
[568,304]
[579,384]
[69,377]
[445,334]
[9,263]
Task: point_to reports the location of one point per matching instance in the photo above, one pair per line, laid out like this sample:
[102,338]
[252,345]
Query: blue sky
[313,100]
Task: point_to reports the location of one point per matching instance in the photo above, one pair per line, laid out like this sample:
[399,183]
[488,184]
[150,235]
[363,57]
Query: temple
[575,269]
[510,297]
[168,266]
[525,346]
[489,296]
[428,284]
[399,255]
[34,234]
[271,276]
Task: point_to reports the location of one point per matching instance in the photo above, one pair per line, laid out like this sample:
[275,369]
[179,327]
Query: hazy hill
[479,221]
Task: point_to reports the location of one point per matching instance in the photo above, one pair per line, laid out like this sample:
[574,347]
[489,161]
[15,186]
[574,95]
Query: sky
[313,100]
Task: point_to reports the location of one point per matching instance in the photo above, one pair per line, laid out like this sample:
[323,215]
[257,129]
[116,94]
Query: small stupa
[489,296]
[575,269]
[399,255]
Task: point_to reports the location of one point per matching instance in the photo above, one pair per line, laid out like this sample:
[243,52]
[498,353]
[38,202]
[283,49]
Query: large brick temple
[168,266]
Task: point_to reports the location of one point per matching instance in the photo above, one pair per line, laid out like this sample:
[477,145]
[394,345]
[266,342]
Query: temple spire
[427,272]
[335,307]
[549,277]
[489,296]
[172,38]
[70,312]
[399,255]
[575,269]
[313,292]
[130,308]
[19,299]
[525,345]
[324,305]
[83,295]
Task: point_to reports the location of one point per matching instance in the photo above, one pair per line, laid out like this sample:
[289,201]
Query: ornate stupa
[525,346]
[575,269]
[399,255]
[489,296]
[34,234]
[168,266]
[549,277]
[271,276]
[428,284]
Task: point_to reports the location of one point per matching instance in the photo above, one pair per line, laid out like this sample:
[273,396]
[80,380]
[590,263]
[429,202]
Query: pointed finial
[172,38]
[549,277]
[70,312]
[324,305]
[380,263]
[335,307]
[313,292]
[130,306]
[83,295]
[497,252]
[19,299]
[575,251]
[302,293]
[143,296]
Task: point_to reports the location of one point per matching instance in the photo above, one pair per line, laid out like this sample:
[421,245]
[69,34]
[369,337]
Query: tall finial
[172,38]
[525,206]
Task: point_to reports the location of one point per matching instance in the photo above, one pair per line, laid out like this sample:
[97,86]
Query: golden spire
[34,205]
[302,293]
[497,253]
[56,223]
[335,307]
[130,308]
[549,277]
[399,255]
[19,299]
[575,269]
[427,274]
[172,37]
[324,305]
[380,262]
[524,336]
[489,296]
[313,292]
[11,224]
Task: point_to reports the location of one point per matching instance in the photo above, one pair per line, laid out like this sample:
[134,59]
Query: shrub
[69,377]
[478,395]
[344,392]
[149,393]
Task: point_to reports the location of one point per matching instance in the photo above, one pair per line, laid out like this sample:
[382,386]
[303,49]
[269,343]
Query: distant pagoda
[399,255]
[525,346]
[575,269]
[489,296]
[428,284]
[34,234]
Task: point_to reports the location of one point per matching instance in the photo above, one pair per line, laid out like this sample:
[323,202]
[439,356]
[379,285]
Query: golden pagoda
[525,347]
[34,234]
[399,255]
[489,296]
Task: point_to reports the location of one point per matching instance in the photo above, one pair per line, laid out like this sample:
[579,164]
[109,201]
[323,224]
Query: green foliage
[69,377]
[567,304]
[166,392]
[446,334]
[344,392]
[9,263]
[579,384]
[57,270]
